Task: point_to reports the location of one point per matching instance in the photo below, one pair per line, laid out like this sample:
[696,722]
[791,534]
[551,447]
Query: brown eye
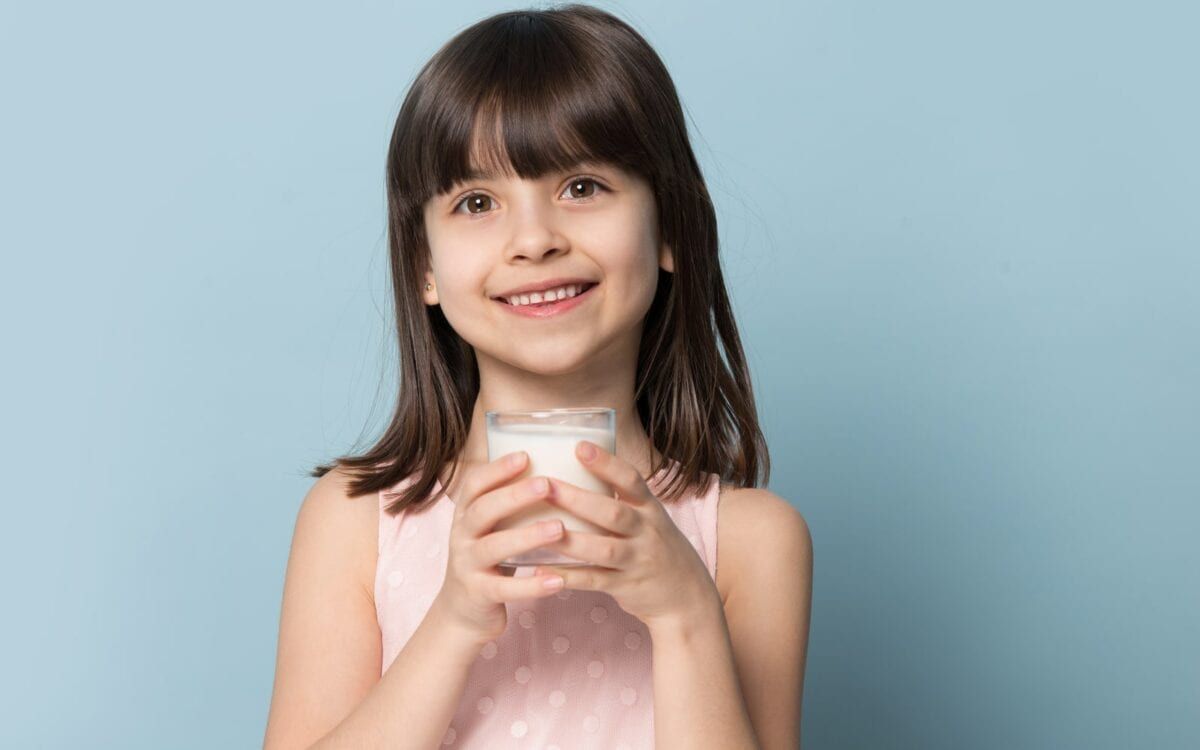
[579,189]
[482,202]
[478,204]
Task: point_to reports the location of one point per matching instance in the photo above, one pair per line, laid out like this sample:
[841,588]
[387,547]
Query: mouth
[546,309]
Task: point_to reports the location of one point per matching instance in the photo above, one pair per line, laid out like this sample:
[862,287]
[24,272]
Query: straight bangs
[528,100]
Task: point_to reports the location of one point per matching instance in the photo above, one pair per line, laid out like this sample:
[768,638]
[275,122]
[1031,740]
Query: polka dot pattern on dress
[571,671]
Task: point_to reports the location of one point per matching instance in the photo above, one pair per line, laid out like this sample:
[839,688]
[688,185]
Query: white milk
[551,449]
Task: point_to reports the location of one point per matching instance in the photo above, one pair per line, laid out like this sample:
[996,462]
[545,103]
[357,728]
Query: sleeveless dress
[573,671]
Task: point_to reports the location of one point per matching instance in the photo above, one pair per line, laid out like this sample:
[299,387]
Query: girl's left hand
[647,565]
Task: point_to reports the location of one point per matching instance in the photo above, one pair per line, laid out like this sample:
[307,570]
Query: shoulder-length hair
[539,91]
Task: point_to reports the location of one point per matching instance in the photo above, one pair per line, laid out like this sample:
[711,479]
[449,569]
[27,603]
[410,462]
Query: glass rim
[564,410]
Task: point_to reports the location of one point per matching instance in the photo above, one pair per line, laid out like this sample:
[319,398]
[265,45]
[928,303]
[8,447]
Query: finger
[581,578]
[524,587]
[598,549]
[617,472]
[501,545]
[481,516]
[608,513]
[490,476]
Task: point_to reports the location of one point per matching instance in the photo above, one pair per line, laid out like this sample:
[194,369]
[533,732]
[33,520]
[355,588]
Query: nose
[535,234]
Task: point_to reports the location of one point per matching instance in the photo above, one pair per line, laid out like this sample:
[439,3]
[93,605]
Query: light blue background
[963,245]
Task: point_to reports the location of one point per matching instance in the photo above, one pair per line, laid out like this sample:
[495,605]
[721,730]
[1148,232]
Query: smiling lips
[544,309]
[551,294]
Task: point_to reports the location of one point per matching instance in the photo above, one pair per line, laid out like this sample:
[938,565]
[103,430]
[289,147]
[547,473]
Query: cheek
[456,261]
[465,311]
[462,287]
[636,261]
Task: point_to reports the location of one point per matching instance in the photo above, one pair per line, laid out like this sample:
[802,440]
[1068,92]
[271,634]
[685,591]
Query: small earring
[428,287]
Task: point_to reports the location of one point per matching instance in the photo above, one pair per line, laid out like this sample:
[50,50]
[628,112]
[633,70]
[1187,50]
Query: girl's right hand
[475,590]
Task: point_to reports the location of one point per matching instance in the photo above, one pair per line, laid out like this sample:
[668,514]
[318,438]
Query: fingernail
[587,451]
[553,583]
[515,459]
[553,529]
[539,485]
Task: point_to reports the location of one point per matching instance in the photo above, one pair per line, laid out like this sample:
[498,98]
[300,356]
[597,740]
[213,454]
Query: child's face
[525,231]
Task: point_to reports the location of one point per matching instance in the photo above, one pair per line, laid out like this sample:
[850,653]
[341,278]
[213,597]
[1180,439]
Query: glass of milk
[549,436]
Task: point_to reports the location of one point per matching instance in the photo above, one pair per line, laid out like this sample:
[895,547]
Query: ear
[666,258]
[429,290]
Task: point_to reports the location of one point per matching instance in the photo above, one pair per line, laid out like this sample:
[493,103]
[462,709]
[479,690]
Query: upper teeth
[562,292]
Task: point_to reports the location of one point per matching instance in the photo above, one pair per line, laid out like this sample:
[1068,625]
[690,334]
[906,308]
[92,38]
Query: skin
[525,231]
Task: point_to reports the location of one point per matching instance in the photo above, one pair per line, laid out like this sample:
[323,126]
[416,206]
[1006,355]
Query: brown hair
[563,85]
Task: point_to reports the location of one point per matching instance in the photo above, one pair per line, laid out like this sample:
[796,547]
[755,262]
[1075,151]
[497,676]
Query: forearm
[698,702]
[412,704]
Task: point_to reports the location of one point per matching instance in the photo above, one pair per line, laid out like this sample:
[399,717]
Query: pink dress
[573,669]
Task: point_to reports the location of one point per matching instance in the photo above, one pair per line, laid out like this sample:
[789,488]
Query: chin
[547,359]
[556,368]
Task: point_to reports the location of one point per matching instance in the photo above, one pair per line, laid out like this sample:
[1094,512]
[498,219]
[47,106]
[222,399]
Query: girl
[542,155]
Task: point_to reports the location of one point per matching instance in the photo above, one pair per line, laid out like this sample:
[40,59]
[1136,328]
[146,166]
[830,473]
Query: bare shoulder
[329,649]
[349,523]
[756,526]
[764,554]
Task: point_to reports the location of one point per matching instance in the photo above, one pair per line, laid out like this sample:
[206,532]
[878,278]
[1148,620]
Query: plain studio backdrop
[963,245]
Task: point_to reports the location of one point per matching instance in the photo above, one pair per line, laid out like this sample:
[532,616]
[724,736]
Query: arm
[697,701]
[768,612]
[416,699]
[327,685]
[767,553]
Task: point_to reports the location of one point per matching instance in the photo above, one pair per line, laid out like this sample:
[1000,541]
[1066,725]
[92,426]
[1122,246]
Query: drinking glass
[549,437]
